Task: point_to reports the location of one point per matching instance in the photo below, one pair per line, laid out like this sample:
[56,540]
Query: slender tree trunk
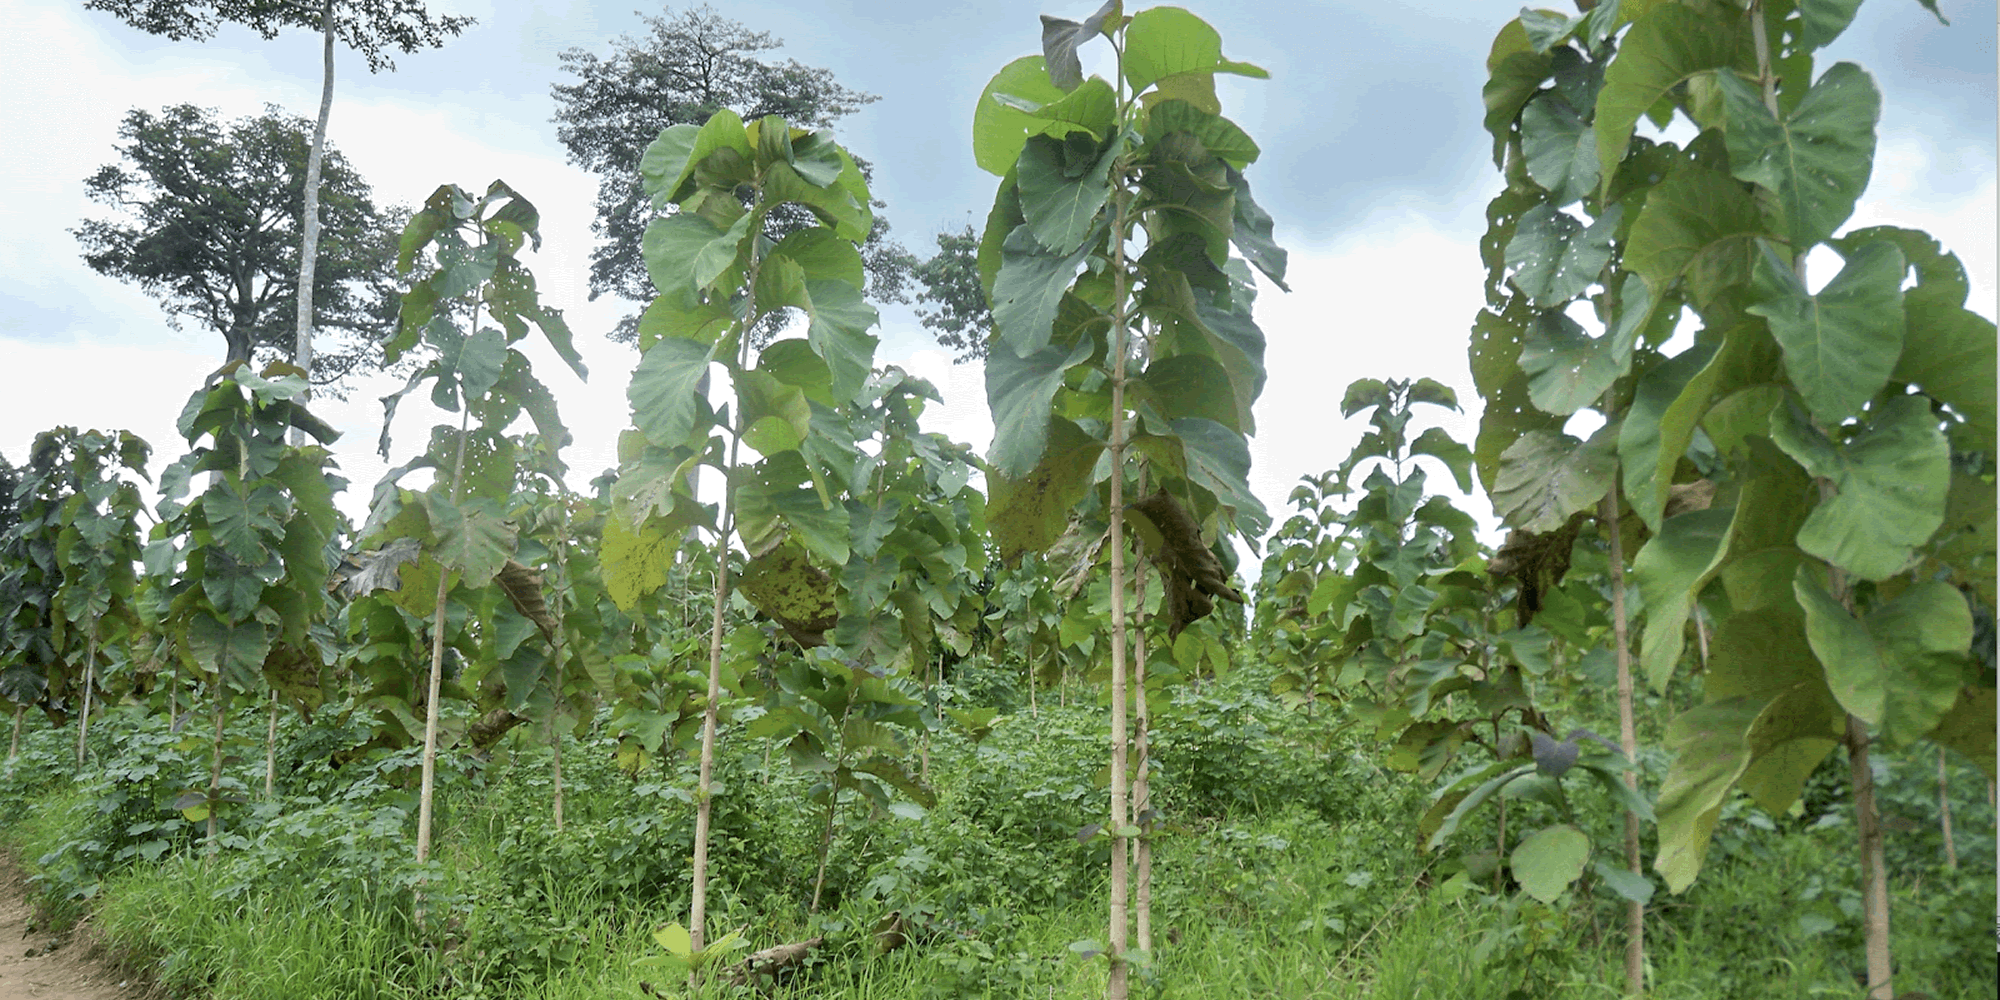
[1944,813]
[1033,712]
[1874,874]
[14,749]
[309,229]
[1628,741]
[271,751]
[434,691]
[555,769]
[89,681]
[1118,986]
[221,696]
[698,897]
[825,843]
[1142,797]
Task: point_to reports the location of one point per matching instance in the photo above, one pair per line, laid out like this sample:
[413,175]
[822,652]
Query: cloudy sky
[1375,168]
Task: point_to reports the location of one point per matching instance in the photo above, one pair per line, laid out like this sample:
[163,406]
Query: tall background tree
[369,27]
[210,223]
[958,315]
[688,67]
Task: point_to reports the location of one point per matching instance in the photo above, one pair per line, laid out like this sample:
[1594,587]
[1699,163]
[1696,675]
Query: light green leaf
[1554,258]
[1841,344]
[1642,453]
[777,416]
[1165,41]
[665,403]
[1061,210]
[1818,159]
[670,248]
[1824,20]
[1901,667]
[1710,753]
[822,530]
[1439,444]
[664,162]
[1092,108]
[999,130]
[822,255]
[1018,393]
[1667,45]
[1630,885]
[1890,483]
[236,652]
[1546,476]
[1549,860]
[1669,572]
[634,562]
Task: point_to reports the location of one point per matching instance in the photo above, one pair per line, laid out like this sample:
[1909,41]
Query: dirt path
[35,966]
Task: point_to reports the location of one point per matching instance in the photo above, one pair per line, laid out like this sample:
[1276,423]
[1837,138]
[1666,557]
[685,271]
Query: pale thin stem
[302,355]
[271,750]
[1142,797]
[1628,741]
[1944,813]
[428,786]
[1118,986]
[89,681]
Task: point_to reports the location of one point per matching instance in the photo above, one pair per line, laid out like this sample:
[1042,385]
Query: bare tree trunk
[309,238]
[1874,875]
[555,769]
[429,785]
[89,681]
[1118,986]
[1033,712]
[1944,813]
[221,696]
[698,897]
[14,749]
[825,844]
[1142,797]
[1628,741]
[271,750]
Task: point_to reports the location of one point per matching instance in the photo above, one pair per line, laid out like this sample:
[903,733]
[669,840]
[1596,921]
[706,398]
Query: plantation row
[1779,541]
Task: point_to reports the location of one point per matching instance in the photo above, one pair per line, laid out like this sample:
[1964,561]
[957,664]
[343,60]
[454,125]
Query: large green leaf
[1252,234]
[1028,290]
[1218,460]
[1018,393]
[474,536]
[1901,667]
[821,254]
[1028,513]
[1890,484]
[1668,44]
[663,391]
[1554,258]
[1189,385]
[1709,755]
[821,529]
[1548,860]
[776,416]
[1669,573]
[236,652]
[1167,41]
[838,330]
[244,523]
[1763,654]
[1000,129]
[1567,368]
[1968,728]
[1515,71]
[1818,159]
[1220,136]
[673,244]
[634,562]
[1546,476]
[1841,344]
[1948,352]
[1559,148]
[664,162]
[1061,208]
[1698,225]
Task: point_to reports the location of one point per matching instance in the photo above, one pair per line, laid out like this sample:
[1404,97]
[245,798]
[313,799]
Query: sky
[1374,167]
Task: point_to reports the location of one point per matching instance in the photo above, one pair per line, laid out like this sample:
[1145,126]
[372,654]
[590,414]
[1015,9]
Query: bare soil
[37,964]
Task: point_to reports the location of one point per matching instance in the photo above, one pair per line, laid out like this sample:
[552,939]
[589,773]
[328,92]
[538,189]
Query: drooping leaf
[1818,159]
[1061,37]
[1949,354]
[1559,148]
[1669,573]
[1027,513]
[1018,393]
[1061,210]
[1890,483]
[634,562]
[1900,667]
[1545,477]
[663,391]
[235,651]
[784,584]
[1000,129]
[1028,290]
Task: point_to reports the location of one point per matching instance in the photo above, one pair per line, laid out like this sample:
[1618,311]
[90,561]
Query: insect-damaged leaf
[1555,258]
[1545,477]
[1193,575]
[1818,159]
[1028,513]
[784,584]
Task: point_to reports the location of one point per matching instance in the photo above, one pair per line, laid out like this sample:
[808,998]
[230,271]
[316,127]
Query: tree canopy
[689,66]
[210,228]
[961,318]
[369,27]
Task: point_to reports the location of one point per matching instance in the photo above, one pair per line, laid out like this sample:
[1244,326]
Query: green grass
[1286,870]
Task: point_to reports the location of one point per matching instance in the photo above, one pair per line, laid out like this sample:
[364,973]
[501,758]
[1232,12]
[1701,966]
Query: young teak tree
[719,275]
[459,531]
[1122,326]
[1836,445]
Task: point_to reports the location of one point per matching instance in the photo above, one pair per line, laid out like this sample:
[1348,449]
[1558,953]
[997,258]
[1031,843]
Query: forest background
[1381,207]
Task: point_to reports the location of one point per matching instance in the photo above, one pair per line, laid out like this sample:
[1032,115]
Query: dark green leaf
[1818,159]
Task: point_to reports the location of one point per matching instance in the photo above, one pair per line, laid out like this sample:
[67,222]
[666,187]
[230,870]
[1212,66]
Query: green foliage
[1723,226]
